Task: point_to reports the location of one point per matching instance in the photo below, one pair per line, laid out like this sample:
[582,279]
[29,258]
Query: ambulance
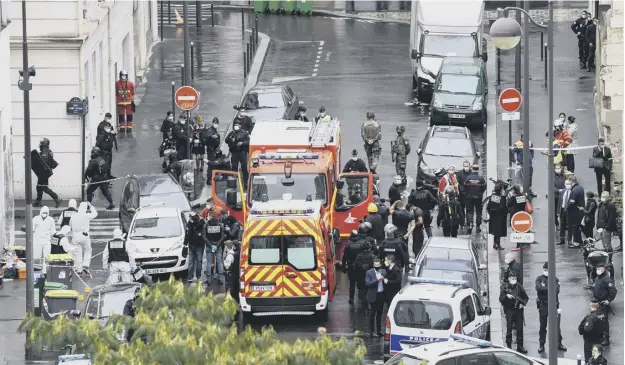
[287,259]
[301,159]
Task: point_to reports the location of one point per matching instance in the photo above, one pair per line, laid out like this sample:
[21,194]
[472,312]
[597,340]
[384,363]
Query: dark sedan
[269,103]
[143,190]
[444,146]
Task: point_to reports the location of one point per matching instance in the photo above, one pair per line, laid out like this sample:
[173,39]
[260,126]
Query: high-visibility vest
[557,152]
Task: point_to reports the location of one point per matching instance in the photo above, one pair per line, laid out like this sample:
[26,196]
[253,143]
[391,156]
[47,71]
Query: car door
[227,193]
[511,358]
[468,316]
[477,358]
[291,101]
[124,220]
[482,318]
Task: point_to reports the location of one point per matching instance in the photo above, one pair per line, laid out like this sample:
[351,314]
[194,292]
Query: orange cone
[179,20]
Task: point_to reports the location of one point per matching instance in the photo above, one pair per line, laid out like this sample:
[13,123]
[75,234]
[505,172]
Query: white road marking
[319,52]
[277,80]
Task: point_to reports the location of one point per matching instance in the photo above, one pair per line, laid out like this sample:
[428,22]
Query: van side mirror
[411,263]
[236,107]
[414,54]
[337,235]
[340,184]
[486,312]
[75,313]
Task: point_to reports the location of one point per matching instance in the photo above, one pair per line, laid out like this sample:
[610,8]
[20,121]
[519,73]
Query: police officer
[105,141]
[181,135]
[591,328]
[417,231]
[59,244]
[214,235]
[168,124]
[516,202]
[377,222]
[106,122]
[423,199]
[542,292]
[364,262]
[210,138]
[605,292]
[461,177]
[371,133]
[513,268]
[355,246]
[579,28]
[399,152]
[382,208]
[119,259]
[219,162]
[194,239]
[404,220]
[238,142]
[393,245]
[67,214]
[394,191]
[42,181]
[497,213]
[513,298]
[474,186]
[449,213]
[168,144]
[97,173]
[355,164]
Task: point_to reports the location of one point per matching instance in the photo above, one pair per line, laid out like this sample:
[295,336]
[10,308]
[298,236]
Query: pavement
[573,94]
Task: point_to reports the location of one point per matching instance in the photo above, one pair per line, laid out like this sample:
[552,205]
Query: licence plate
[457,116]
[263,287]
[155,271]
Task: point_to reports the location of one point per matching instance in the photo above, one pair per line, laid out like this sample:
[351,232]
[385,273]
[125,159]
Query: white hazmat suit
[67,214]
[43,229]
[63,243]
[80,232]
[120,270]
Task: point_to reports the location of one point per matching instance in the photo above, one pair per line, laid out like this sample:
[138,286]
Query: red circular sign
[522,222]
[510,100]
[187,98]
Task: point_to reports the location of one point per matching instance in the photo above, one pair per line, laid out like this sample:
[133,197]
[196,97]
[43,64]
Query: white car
[460,349]
[157,234]
[429,310]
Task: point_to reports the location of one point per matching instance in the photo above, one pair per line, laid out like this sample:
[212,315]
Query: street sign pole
[526,107]
[510,101]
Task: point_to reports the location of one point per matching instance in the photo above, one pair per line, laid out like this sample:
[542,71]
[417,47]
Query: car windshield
[173,200]
[155,227]
[106,304]
[446,274]
[423,314]
[448,254]
[448,45]
[255,100]
[449,147]
[405,359]
[295,251]
[304,184]
[459,84]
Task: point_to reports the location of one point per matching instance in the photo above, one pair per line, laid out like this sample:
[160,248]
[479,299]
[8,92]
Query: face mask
[512,281]
[182,121]
[354,158]
[387,263]
[171,117]
[507,261]
[558,171]
[322,115]
[595,354]
[584,16]
[108,120]
[466,169]
[599,271]
[107,130]
[451,172]
[236,127]
[567,187]
[601,145]
[603,200]
[377,266]
[545,272]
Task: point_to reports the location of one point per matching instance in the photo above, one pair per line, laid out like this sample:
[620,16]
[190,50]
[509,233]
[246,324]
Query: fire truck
[301,159]
[287,259]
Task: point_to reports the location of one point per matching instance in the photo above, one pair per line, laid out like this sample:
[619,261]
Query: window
[87,83]
[304,185]
[449,254]
[451,361]
[330,239]
[265,250]
[467,311]
[295,251]
[255,100]
[423,315]
[94,73]
[156,227]
[449,147]
[222,190]
[459,84]
[480,358]
[300,252]
[478,304]
[446,275]
[102,88]
[405,359]
[448,45]
[107,304]
[510,358]
[355,190]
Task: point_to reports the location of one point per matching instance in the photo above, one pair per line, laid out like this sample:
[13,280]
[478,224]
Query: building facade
[6,170]
[78,48]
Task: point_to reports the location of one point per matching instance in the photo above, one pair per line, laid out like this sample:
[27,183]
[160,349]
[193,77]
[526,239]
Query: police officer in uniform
[42,182]
[605,292]
[214,235]
[423,199]
[399,152]
[210,138]
[364,262]
[513,298]
[449,213]
[382,208]
[105,141]
[119,259]
[579,28]
[97,172]
[181,135]
[59,244]
[497,212]
[394,191]
[371,133]
[355,164]
[592,328]
[517,201]
[542,292]
[404,220]
[168,124]
[474,187]
[355,246]
[67,214]
[238,142]
[393,245]
[106,122]
[461,177]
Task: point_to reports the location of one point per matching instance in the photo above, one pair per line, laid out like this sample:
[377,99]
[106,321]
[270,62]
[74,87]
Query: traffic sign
[187,98]
[511,116]
[522,222]
[510,100]
[517,237]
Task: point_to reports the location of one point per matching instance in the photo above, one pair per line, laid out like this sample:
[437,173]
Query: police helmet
[390,228]
[364,228]
[95,152]
[419,183]
[370,115]
[400,129]
[44,143]
[372,208]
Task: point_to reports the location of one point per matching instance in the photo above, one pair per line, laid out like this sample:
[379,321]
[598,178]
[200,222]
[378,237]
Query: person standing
[181,135]
[393,245]
[399,153]
[106,122]
[517,152]
[67,214]
[168,124]
[579,28]
[497,216]
[597,357]
[448,180]
[79,224]
[575,212]
[105,141]
[43,230]
[542,302]
[591,328]
[562,211]
[404,220]
[392,279]
[210,138]
[214,235]
[513,298]
[558,188]
[449,213]
[371,133]
[238,142]
[591,45]
[517,201]
[125,92]
[394,191]
[513,268]
[605,292]
[96,176]
[417,230]
[606,221]
[355,245]
[474,186]
[462,176]
[119,259]
[571,129]
[42,179]
[355,164]
[423,199]
[376,221]
[194,239]
[197,145]
[375,296]
[590,211]
[601,162]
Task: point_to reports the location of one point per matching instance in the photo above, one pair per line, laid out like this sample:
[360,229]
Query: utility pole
[185,14]
[517,52]
[526,102]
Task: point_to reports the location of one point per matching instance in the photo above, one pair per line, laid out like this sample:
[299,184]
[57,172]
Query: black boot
[37,203]
[606,340]
[351,301]
[521,349]
[541,348]
[509,345]
[561,347]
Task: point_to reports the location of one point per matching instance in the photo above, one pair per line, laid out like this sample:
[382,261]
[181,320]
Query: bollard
[169,12]
[198,17]
[242,24]
[542,50]
[192,67]
[498,66]
[579,359]
[212,16]
[173,98]
[252,46]
[249,57]
[244,65]
[546,57]
[256,27]
[162,15]
[182,73]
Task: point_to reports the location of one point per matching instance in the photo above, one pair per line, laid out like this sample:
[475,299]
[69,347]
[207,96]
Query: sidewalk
[574,96]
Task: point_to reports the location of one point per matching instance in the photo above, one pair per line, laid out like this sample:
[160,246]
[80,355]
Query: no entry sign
[187,98]
[522,222]
[510,100]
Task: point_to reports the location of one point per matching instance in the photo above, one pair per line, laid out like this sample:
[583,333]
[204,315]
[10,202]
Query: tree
[174,324]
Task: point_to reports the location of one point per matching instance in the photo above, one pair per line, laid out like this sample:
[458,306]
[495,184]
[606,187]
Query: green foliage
[174,324]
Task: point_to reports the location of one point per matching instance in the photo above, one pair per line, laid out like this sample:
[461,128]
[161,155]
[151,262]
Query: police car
[429,310]
[79,359]
[461,349]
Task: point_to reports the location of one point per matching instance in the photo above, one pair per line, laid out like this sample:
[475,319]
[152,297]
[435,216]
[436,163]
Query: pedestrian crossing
[205,13]
[101,229]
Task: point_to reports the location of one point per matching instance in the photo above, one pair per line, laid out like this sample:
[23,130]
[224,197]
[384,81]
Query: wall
[609,82]
[6,170]
[47,18]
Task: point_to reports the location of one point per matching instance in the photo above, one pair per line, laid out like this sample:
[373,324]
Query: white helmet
[558,123]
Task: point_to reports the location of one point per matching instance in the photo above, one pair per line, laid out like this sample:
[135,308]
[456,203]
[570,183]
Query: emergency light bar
[471,340]
[73,357]
[288,156]
[460,283]
[281,211]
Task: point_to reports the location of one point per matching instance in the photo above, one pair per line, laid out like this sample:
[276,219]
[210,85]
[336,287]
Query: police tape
[83,184]
[546,149]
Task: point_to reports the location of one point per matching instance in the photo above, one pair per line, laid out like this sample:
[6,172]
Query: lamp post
[506,34]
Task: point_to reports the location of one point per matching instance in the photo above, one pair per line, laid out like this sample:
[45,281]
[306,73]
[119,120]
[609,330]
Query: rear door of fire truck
[227,193]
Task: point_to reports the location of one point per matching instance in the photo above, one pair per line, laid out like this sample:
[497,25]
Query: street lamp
[506,35]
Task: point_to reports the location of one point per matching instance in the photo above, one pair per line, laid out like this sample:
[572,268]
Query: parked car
[460,93]
[449,270]
[269,103]
[443,146]
[453,248]
[106,300]
[155,189]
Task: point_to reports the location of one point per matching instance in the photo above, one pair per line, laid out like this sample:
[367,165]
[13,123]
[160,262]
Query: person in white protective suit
[67,214]
[60,244]
[80,233]
[43,230]
[119,259]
